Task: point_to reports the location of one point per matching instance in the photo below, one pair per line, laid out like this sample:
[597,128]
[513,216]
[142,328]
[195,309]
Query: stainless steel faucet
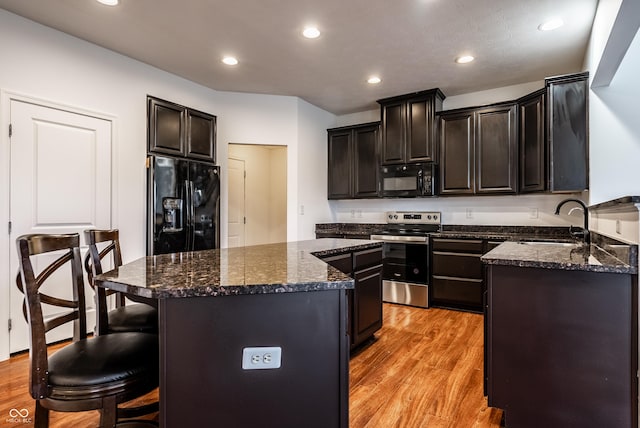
[584,232]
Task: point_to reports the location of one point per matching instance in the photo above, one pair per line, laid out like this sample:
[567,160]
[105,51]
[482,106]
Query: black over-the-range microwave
[408,180]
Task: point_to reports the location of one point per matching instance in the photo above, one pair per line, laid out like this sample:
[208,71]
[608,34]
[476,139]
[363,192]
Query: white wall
[490,96]
[50,65]
[614,124]
[310,185]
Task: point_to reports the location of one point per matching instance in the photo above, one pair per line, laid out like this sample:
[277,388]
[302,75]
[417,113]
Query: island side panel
[202,379]
[562,347]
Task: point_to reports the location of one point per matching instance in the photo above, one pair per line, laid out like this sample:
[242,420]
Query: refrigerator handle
[187,214]
[192,218]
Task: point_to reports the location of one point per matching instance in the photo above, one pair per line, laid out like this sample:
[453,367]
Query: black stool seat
[133,317]
[101,360]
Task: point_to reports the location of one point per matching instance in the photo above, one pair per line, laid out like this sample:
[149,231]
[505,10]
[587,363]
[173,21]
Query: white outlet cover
[261,358]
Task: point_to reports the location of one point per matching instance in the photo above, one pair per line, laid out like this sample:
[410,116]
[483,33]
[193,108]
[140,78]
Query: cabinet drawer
[457,291]
[365,258]
[457,265]
[457,245]
[342,262]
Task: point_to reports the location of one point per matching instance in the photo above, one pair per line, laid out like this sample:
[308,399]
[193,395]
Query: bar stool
[141,317]
[89,373]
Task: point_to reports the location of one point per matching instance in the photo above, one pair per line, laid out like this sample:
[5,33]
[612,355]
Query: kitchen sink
[552,243]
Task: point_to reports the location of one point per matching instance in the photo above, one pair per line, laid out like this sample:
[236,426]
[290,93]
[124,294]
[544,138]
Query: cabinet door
[393,132]
[568,133]
[496,150]
[201,135]
[365,166]
[340,165]
[457,153]
[367,304]
[532,143]
[420,134]
[166,133]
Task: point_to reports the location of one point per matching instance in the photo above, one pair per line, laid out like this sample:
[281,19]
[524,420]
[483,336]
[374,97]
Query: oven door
[405,270]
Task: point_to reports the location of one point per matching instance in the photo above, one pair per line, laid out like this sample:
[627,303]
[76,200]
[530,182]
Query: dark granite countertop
[566,256]
[262,269]
[505,233]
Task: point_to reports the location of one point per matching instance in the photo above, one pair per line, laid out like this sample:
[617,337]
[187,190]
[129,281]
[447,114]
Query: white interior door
[60,183]
[236,215]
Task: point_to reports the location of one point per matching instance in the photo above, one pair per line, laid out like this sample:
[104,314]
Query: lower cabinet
[365,300]
[562,347]
[456,274]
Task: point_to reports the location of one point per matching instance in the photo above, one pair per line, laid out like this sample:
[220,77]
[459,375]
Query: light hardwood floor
[423,370]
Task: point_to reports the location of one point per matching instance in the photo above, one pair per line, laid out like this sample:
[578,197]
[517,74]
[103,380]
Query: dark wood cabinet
[353,161]
[496,149]
[456,274]
[408,127]
[180,131]
[479,150]
[457,146]
[532,141]
[562,347]
[568,132]
[365,300]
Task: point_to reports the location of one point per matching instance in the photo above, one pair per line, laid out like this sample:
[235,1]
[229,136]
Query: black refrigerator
[183,205]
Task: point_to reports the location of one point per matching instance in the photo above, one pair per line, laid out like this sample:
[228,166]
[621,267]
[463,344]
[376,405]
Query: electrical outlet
[533,213]
[469,213]
[301,209]
[618,227]
[261,358]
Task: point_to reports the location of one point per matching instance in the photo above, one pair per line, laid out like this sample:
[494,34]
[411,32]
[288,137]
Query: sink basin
[551,243]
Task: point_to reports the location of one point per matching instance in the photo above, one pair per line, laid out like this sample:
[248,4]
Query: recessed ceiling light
[374,80]
[109,2]
[229,60]
[311,32]
[551,24]
[464,59]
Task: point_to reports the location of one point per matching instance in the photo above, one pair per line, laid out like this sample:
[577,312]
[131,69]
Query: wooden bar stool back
[88,373]
[141,317]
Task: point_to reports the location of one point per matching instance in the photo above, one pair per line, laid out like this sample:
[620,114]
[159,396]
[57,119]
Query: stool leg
[41,418]
[109,412]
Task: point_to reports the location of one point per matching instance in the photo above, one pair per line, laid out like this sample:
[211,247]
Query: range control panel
[413,217]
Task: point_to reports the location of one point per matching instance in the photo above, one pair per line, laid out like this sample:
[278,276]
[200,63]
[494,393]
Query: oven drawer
[456,291]
[405,273]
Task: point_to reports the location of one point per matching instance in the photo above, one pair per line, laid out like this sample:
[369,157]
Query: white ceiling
[410,44]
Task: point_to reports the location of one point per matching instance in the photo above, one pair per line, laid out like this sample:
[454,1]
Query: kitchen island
[561,328]
[214,304]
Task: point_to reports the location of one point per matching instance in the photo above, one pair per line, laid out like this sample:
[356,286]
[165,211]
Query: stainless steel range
[405,271]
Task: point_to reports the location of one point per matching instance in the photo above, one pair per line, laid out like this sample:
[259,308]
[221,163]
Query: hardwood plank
[423,369]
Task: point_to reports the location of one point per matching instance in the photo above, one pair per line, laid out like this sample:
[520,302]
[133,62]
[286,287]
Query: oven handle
[396,238]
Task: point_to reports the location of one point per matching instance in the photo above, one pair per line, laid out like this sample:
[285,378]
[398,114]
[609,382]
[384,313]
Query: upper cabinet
[497,149]
[478,150]
[353,161]
[180,131]
[568,133]
[532,141]
[457,146]
[408,127]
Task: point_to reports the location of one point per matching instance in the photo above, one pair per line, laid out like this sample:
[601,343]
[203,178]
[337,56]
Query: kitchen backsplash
[525,210]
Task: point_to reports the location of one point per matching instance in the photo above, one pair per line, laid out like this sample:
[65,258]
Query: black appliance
[405,269]
[408,180]
[183,205]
